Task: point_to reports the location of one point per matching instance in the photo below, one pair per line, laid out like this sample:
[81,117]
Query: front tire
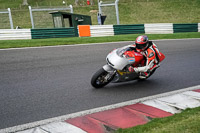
[101,78]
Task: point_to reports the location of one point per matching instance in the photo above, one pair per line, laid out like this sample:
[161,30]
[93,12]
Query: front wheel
[101,78]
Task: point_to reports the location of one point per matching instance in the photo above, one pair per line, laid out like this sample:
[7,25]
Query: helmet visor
[141,46]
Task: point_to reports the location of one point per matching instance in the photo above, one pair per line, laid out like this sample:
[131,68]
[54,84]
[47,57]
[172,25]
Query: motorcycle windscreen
[116,61]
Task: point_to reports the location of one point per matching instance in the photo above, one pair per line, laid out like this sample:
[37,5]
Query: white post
[71,7]
[10,18]
[31,15]
[99,4]
[117,11]
[100,12]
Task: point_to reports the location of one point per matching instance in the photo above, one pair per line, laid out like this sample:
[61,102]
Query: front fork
[108,68]
[111,71]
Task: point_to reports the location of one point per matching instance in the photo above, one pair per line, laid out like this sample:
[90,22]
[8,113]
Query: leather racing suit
[151,54]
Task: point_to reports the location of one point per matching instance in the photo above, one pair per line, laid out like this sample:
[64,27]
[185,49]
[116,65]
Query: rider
[151,53]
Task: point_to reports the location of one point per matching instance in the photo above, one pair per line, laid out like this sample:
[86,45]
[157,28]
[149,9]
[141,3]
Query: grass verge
[185,122]
[77,40]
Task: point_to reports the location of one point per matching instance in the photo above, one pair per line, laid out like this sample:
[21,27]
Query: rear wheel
[101,78]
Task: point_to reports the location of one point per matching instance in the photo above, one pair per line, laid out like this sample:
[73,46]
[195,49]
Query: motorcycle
[116,69]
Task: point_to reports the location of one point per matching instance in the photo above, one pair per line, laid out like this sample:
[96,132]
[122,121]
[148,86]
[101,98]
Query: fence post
[100,12]
[117,11]
[10,18]
[71,7]
[31,15]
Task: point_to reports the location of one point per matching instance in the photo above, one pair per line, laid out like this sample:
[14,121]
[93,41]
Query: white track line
[95,110]
[103,43]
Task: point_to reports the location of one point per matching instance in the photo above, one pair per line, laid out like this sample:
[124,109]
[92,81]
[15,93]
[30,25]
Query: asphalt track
[41,83]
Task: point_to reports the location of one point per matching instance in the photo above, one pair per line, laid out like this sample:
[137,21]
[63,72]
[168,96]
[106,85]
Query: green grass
[186,122]
[130,11]
[84,40]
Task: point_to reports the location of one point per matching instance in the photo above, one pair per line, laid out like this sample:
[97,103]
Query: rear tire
[100,78]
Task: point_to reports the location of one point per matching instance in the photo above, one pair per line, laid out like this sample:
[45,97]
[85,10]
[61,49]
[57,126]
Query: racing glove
[133,69]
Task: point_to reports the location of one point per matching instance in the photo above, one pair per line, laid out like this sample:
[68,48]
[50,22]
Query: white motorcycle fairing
[117,60]
[117,63]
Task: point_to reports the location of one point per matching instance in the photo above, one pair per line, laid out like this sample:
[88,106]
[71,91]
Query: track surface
[41,83]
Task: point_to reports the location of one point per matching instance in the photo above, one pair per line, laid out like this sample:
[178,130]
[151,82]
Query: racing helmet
[141,42]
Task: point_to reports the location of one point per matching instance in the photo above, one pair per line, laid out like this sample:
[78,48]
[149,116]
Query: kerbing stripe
[82,113]
[56,127]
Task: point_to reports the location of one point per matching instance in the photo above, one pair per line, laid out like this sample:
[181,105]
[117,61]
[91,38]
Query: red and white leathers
[151,53]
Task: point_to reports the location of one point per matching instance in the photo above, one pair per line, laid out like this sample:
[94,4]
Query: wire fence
[42,19]
[39,14]
[4,21]
[110,13]
[130,12]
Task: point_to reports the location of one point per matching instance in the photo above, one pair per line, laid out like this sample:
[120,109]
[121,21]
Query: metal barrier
[128,29]
[159,28]
[53,33]
[14,34]
[97,31]
[198,27]
[185,28]
[101,30]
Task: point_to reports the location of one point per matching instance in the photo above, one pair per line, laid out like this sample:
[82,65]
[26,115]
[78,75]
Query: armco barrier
[53,33]
[128,29]
[185,28]
[101,30]
[14,34]
[97,31]
[159,28]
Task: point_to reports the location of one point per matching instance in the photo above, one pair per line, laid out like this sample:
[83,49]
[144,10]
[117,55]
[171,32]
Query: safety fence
[157,28]
[14,34]
[8,11]
[104,30]
[160,28]
[53,33]
[198,27]
[128,29]
[98,31]
[185,28]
